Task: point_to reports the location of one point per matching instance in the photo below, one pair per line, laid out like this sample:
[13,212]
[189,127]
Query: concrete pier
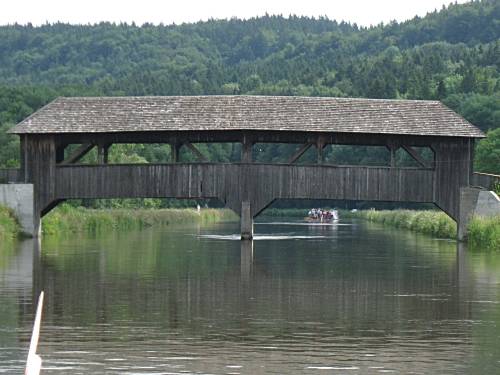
[475,202]
[19,198]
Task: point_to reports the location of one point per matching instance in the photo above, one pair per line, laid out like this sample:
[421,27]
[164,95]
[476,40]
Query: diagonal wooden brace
[301,151]
[79,153]
[195,151]
[416,156]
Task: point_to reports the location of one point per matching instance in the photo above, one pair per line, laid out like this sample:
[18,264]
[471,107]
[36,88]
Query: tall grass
[434,223]
[484,233]
[9,227]
[68,219]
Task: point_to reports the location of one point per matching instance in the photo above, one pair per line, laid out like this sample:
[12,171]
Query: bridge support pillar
[246,221]
[474,201]
[468,201]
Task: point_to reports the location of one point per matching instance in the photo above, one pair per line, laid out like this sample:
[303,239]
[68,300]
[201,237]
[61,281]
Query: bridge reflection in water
[350,296]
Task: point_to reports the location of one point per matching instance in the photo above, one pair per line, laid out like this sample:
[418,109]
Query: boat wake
[257,237]
[308,224]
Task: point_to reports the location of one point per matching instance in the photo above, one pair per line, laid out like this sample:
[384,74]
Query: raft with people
[318,215]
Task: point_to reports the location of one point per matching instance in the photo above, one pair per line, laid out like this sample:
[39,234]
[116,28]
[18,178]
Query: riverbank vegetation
[484,233]
[69,219]
[9,227]
[434,223]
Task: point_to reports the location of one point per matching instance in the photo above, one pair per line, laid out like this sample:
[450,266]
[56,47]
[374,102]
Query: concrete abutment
[475,202]
[20,199]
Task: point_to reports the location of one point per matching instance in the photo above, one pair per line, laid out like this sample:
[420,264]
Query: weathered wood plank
[233,183]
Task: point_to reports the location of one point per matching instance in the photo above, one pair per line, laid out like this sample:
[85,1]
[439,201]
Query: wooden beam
[175,147]
[102,153]
[106,154]
[416,156]
[195,151]
[79,153]
[246,150]
[301,151]
[320,145]
[392,149]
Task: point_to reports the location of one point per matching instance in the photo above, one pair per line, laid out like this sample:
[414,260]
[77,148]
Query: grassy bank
[68,219]
[434,223]
[484,233]
[9,227]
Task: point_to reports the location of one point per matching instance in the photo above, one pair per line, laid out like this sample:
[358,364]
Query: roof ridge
[105,114]
[292,97]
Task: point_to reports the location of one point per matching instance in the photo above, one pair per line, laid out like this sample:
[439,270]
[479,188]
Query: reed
[484,233]
[434,223]
[69,219]
[9,226]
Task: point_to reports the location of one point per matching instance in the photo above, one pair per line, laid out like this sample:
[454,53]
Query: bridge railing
[230,181]
[9,175]
[485,180]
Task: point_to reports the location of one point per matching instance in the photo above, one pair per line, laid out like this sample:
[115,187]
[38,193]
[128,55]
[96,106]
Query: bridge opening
[228,152]
[285,206]
[357,155]
[146,153]
[414,156]
[344,154]
[284,153]
[142,203]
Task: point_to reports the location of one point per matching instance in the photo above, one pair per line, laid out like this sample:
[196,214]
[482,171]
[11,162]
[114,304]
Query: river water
[352,298]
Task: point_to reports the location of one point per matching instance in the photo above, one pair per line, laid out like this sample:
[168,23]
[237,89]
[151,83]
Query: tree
[488,153]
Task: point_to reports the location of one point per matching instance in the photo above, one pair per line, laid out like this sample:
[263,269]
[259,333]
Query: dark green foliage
[452,55]
[488,153]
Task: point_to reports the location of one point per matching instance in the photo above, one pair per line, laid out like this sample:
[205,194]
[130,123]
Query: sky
[362,12]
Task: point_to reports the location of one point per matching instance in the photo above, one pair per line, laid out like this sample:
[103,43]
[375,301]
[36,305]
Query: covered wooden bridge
[247,187]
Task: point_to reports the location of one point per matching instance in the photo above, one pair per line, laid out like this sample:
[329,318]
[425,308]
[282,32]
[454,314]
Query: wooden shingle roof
[275,113]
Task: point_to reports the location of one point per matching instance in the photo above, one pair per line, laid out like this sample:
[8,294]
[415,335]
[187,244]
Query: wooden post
[174,152]
[23,174]
[106,154]
[100,154]
[246,221]
[246,150]
[392,149]
[320,145]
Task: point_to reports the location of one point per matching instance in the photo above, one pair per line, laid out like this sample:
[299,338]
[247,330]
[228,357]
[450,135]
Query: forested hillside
[451,55]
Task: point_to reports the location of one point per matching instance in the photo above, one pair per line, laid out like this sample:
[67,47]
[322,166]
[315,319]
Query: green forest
[451,54]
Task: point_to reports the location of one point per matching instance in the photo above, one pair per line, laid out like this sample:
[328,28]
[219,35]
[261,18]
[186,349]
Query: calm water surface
[353,298]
